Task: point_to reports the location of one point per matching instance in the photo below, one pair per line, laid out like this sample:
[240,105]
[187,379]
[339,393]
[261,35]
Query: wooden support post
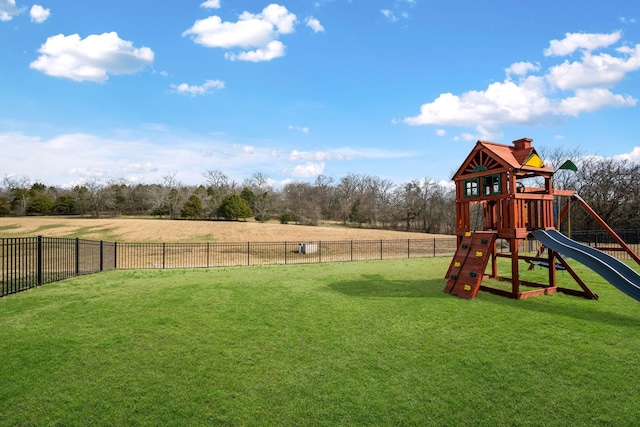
[552,267]
[515,274]
[494,260]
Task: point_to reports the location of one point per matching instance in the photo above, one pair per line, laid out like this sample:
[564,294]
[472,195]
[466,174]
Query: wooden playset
[504,193]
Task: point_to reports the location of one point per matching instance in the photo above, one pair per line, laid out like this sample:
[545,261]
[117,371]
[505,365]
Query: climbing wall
[469,263]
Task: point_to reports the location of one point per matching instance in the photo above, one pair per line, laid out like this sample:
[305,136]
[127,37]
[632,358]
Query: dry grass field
[164,230]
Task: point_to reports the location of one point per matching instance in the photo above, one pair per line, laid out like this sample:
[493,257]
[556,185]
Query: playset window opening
[471,187]
[491,185]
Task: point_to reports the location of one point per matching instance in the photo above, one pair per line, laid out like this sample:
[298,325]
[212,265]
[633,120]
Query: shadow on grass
[593,312]
[376,286]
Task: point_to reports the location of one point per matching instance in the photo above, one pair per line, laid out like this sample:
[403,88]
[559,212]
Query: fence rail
[32,261]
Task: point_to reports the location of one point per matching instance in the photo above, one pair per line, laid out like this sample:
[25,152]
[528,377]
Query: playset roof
[520,156]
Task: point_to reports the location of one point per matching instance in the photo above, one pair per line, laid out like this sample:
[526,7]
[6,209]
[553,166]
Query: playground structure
[506,192]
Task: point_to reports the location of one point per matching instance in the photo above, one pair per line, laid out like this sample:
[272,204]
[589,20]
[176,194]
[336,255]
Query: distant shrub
[234,207]
[286,218]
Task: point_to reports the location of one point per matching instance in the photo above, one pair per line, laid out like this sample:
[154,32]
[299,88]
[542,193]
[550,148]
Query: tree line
[610,186]
[355,199]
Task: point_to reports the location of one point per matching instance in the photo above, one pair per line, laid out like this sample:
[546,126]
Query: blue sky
[399,89]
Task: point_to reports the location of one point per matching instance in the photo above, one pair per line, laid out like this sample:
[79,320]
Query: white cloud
[314,24]
[308,169]
[315,155]
[274,49]
[279,16]
[441,132]
[398,11]
[625,20]
[580,41]
[505,103]
[255,35]
[245,149]
[139,168]
[211,4]
[601,70]
[567,89]
[87,173]
[485,133]
[39,14]
[8,10]
[68,158]
[389,15]
[92,58]
[207,87]
[521,68]
[590,100]
[466,137]
[343,154]
[633,156]
[302,129]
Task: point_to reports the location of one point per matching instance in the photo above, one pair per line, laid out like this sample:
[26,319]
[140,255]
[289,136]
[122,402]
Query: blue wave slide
[611,269]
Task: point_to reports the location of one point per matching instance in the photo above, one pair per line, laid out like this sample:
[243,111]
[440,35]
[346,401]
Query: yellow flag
[534,161]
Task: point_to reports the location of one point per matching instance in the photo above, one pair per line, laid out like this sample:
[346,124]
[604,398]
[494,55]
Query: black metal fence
[27,262]
[597,237]
[33,261]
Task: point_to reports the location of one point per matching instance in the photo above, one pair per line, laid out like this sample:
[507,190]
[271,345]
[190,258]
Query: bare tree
[611,188]
[411,203]
[378,195]
[218,187]
[348,192]
[98,196]
[554,158]
[325,196]
[17,193]
[260,185]
[299,201]
[158,195]
[174,195]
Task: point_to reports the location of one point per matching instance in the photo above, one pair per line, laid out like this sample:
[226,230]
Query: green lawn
[367,343]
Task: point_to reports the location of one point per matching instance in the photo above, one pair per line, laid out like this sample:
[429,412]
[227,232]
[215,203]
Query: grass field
[369,343]
[134,229]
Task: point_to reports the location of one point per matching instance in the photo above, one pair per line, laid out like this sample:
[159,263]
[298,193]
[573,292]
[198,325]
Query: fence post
[434,247]
[115,255]
[352,250]
[285,253]
[248,253]
[101,255]
[380,248]
[408,248]
[77,256]
[164,247]
[39,260]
